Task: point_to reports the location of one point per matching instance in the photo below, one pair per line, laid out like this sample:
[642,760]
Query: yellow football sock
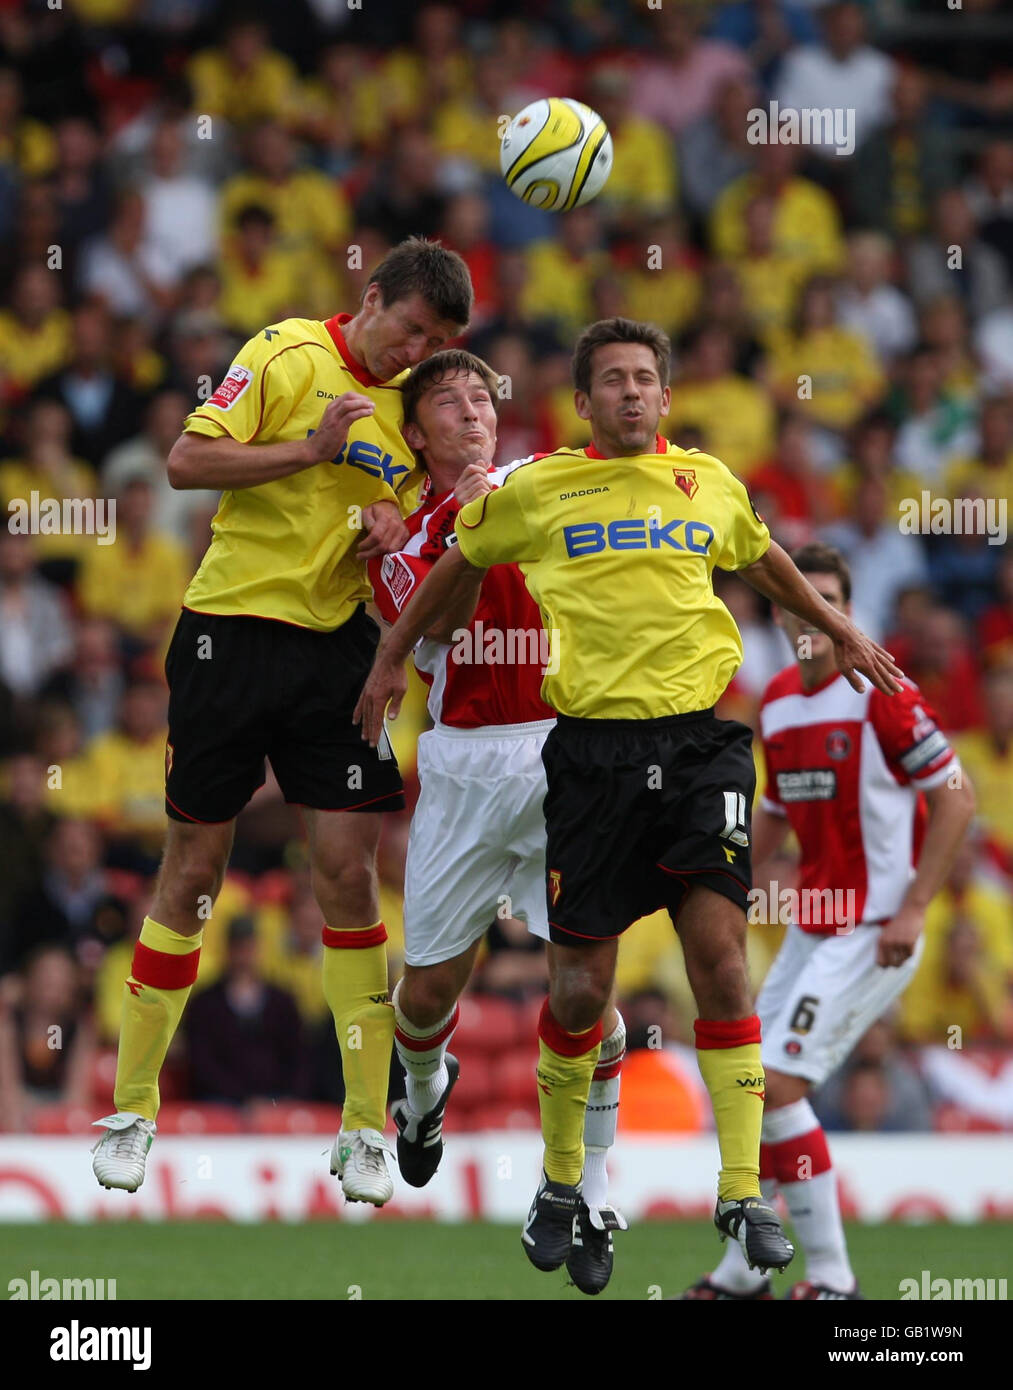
[355,987]
[729,1058]
[154,996]
[566,1063]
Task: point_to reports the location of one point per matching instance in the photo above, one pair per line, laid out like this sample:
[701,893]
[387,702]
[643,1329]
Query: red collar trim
[660,447]
[361,374]
[827,680]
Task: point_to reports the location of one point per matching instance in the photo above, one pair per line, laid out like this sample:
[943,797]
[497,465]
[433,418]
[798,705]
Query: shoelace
[125,1143]
[372,1159]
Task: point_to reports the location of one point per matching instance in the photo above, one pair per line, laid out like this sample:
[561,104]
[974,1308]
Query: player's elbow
[179,466]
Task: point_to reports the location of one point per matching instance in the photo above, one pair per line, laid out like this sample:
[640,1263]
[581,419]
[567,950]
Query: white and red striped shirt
[847,770]
[494,674]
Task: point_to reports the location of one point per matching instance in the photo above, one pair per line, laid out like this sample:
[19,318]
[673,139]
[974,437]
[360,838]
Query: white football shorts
[476,847]
[821,994]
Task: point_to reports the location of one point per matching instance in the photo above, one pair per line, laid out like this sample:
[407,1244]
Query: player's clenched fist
[472,483]
[341,414]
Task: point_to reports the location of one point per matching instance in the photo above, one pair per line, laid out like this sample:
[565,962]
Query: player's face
[626,400]
[808,643]
[400,335]
[455,422]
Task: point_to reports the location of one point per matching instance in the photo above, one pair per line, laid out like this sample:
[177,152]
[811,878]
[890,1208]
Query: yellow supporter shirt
[736,416]
[27,356]
[252,296]
[643,176]
[666,297]
[559,287]
[770,286]
[807,225]
[360,112]
[269,89]
[845,376]
[31,150]
[464,130]
[287,549]
[618,555]
[404,78]
[990,770]
[19,479]
[309,209]
[970,477]
[931,1004]
[134,588]
[132,780]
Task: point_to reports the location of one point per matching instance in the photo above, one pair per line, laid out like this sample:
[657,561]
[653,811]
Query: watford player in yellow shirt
[267,660]
[649,795]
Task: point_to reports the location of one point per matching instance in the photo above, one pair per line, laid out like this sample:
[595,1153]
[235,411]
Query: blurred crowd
[175,175]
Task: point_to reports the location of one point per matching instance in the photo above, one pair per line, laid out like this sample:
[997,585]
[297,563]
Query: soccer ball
[556,154]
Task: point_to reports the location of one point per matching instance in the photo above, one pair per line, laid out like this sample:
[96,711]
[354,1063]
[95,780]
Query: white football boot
[358,1158]
[121,1153]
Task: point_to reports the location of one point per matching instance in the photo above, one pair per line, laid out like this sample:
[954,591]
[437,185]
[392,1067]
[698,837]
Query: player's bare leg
[795,1154]
[569,1044]
[712,930]
[343,848]
[155,993]
[425,1016]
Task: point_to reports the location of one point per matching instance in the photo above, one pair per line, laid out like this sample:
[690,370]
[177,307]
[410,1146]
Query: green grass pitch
[390,1259]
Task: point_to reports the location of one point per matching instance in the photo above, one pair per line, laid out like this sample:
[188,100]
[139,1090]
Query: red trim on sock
[767,1168]
[787,1156]
[605,1071]
[357,939]
[564,1043]
[163,971]
[736,1032]
[434,1039]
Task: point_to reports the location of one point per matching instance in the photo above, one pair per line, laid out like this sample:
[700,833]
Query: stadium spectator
[129,764]
[842,72]
[92,681]
[137,581]
[405,198]
[82,185]
[735,413]
[679,83]
[244,80]
[663,283]
[936,427]
[643,178]
[870,304]
[989,195]
[877,1091]
[714,151]
[560,271]
[965,978]
[66,908]
[34,331]
[25,824]
[995,628]
[47,1044]
[900,170]
[179,207]
[945,326]
[104,410]
[954,257]
[937,656]
[244,1036]
[261,281]
[513,963]
[48,469]
[122,269]
[990,474]
[27,146]
[35,634]
[988,755]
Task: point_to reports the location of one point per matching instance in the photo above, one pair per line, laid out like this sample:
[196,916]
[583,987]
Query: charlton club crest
[685,478]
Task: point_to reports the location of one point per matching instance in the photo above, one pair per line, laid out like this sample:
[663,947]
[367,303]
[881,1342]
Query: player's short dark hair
[815,558]
[434,369]
[619,330]
[418,266]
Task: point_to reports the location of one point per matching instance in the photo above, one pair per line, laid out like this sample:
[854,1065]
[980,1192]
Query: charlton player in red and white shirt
[879,805]
[476,847]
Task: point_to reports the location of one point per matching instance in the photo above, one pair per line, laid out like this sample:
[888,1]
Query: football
[556,154]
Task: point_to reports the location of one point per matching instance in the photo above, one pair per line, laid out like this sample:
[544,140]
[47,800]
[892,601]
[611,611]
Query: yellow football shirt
[287,549]
[618,555]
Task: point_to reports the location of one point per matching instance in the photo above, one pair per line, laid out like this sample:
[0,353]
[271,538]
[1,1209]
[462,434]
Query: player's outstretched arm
[387,682]
[775,576]
[951,808]
[200,461]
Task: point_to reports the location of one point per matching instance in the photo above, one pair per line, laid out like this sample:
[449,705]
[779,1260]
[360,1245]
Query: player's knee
[427,996]
[346,889]
[191,887]
[577,1006]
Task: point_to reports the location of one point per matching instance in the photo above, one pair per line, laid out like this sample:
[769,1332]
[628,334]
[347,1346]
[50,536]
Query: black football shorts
[640,810]
[242,689]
